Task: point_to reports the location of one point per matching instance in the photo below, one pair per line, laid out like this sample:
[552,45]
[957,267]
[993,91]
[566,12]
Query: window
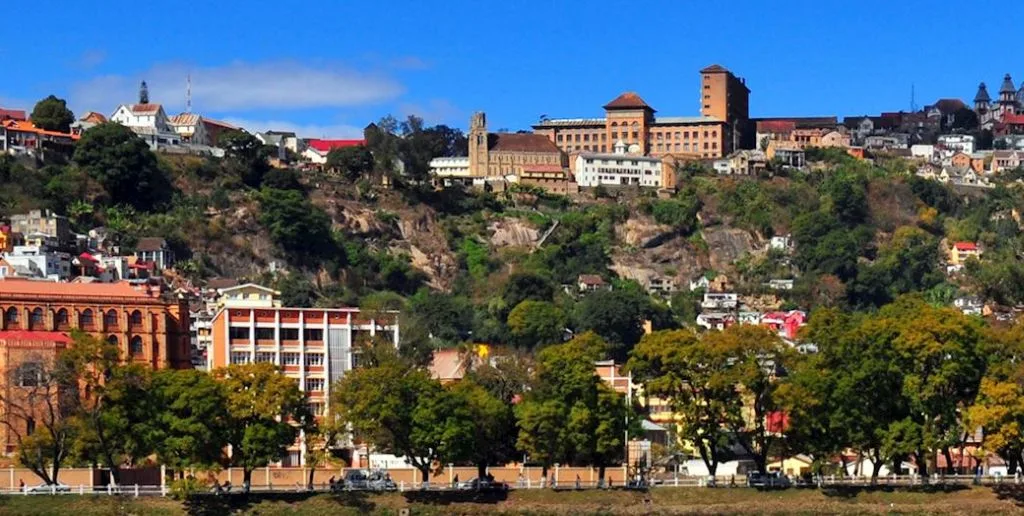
[577,138]
[558,138]
[35,319]
[615,135]
[264,334]
[112,339]
[239,357]
[236,333]
[705,145]
[30,374]
[60,319]
[314,384]
[110,319]
[604,137]
[636,135]
[705,134]
[135,347]
[714,134]
[264,356]
[135,320]
[312,334]
[586,137]
[86,320]
[30,426]
[289,334]
[291,359]
[314,359]
[707,106]
[11,317]
[317,409]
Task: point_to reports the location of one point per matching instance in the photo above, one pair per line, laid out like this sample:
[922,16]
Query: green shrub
[185,488]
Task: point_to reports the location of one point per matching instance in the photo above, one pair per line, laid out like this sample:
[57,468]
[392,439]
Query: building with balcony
[148,327]
[316,346]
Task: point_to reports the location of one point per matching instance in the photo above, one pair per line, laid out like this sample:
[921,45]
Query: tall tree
[400,409]
[617,316]
[352,162]
[52,114]
[122,163]
[38,410]
[692,377]
[493,422]
[536,323]
[111,404]
[246,156]
[191,424]
[265,411]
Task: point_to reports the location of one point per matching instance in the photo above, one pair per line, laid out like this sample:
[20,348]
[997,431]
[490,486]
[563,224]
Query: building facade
[505,154]
[45,222]
[25,356]
[148,327]
[314,346]
[620,169]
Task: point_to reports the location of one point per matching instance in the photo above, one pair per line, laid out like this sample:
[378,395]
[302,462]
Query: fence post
[401,486]
[81,489]
[109,490]
[557,467]
[163,477]
[12,476]
[266,478]
[136,490]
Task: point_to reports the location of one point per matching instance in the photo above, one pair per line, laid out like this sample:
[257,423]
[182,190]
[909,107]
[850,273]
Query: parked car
[375,480]
[478,484]
[50,488]
[773,479]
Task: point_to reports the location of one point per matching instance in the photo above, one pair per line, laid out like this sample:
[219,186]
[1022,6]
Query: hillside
[460,262]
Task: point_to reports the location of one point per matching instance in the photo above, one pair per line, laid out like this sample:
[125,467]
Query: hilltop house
[156,251]
[961,251]
[317,150]
[150,122]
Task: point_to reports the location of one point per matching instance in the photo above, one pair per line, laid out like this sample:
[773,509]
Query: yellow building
[249,295]
[961,251]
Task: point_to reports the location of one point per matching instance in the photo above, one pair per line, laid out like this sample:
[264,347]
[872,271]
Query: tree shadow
[450,497]
[216,505]
[1012,492]
[849,492]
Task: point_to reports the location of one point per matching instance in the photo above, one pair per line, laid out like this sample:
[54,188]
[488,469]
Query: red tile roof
[28,127]
[947,106]
[15,287]
[776,126]
[1013,118]
[36,336]
[543,168]
[219,123]
[325,146]
[521,142]
[628,100]
[12,114]
[966,246]
[144,108]
[94,117]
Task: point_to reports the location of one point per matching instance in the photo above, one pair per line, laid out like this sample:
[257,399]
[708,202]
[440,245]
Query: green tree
[246,156]
[693,379]
[352,162]
[446,317]
[122,163]
[525,285]
[52,114]
[265,411]
[300,229]
[536,323]
[191,423]
[617,316]
[400,409]
[110,407]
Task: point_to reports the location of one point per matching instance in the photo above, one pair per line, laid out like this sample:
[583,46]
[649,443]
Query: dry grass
[660,501]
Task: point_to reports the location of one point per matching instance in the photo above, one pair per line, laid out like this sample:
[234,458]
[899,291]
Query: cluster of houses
[40,245]
[183,133]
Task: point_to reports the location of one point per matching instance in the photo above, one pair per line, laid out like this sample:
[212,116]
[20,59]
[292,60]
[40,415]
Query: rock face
[512,232]
[643,232]
[726,245]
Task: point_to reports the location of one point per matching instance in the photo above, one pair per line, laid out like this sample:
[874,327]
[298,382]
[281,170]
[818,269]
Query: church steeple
[143,93]
[982,96]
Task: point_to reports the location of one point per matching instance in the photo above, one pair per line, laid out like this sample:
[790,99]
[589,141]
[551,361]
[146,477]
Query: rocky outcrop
[512,232]
[643,232]
[726,245]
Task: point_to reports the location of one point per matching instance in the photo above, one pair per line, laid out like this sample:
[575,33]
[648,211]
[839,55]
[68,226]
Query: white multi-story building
[451,170]
[953,143]
[39,262]
[720,301]
[316,346]
[619,169]
[150,122]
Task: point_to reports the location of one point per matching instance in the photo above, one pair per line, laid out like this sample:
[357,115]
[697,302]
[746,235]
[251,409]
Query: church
[1005,109]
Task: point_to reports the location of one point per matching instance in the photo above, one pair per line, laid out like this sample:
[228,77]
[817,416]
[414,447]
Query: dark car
[367,480]
[478,484]
[773,479]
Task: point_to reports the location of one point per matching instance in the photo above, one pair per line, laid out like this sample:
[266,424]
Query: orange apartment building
[316,346]
[719,129]
[148,327]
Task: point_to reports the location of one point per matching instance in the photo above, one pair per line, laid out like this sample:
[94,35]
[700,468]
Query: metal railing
[722,482]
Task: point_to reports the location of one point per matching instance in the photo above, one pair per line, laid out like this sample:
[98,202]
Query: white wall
[615,170]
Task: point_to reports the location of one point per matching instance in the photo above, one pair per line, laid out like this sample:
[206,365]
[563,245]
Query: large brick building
[721,127]
[24,358]
[149,327]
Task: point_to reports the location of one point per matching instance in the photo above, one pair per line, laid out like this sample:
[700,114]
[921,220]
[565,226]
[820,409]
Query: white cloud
[240,86]
[328,131]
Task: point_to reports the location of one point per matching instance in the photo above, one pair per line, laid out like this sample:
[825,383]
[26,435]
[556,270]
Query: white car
[49,488]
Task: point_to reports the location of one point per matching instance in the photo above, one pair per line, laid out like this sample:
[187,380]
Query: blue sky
[327,68]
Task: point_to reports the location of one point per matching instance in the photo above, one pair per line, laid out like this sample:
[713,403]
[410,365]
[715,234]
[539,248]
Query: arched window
[35,319]
[60,319]
[136,346]
[615,124]
[110,320]
[112,339]
[86,320]
[135,320]
[11,318]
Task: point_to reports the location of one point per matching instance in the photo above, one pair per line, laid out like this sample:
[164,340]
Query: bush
[185,488]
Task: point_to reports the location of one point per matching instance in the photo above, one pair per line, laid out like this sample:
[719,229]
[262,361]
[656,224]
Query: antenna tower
[188,93]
